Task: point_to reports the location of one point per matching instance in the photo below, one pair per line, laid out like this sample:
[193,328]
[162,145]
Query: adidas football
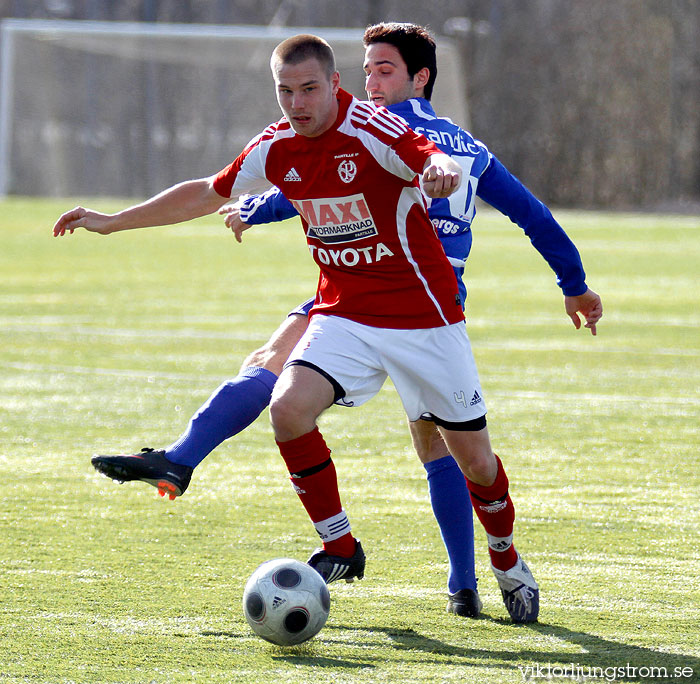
[286,601]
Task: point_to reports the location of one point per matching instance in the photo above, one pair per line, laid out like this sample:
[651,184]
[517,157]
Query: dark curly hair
[414,43]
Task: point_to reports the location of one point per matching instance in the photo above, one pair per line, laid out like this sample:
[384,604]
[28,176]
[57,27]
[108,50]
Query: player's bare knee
[274,353]
[259,358]
[483,469]
[479,466]
[427,441]
[288,411]
[288,421]
[431,451]
[473,453]
[268,358]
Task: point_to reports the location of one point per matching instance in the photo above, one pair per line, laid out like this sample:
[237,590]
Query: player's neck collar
[415,106]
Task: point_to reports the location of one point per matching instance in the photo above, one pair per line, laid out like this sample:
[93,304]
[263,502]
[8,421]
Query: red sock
[496,513]
[314,480]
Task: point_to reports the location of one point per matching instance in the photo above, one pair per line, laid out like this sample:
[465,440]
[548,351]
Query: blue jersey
[484,177]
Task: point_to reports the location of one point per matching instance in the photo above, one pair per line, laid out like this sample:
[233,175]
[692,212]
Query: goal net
[128,109]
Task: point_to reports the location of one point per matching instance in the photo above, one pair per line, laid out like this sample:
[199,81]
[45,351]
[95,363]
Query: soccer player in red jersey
[371,238]
[368,231]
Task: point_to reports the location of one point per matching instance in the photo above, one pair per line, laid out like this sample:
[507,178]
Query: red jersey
[357,191]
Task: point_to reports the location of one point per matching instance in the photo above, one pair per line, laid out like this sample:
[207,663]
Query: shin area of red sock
[313,476]
[496,513]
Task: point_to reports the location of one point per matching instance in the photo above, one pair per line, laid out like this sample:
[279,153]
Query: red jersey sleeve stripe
[364,121]
[391,121]
[387,135]
[378,125]
[380,117]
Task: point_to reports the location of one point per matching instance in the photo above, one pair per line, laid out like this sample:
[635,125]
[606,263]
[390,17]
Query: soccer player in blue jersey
[400,67]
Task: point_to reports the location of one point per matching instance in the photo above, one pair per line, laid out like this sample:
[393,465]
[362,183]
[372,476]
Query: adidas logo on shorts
[292,175]
[475,399]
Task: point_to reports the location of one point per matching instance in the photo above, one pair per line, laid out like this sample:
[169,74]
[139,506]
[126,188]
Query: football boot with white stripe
[333,568]
[149,466]
[521,595]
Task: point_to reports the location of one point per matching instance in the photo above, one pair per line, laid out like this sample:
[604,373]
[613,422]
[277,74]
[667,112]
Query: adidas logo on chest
[292,175]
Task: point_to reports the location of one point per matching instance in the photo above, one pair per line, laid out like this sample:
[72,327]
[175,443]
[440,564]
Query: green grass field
[108,344]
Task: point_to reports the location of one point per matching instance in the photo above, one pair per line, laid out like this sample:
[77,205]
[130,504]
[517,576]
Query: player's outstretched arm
[442,175]
[181,202]
[589,305]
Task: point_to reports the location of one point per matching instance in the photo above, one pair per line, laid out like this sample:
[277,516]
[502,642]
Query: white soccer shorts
[433,369]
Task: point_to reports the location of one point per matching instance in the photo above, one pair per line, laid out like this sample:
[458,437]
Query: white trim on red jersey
[374,135]
[381,120]
[409,197]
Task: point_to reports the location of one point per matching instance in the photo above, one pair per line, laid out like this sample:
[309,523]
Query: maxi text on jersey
[337,219]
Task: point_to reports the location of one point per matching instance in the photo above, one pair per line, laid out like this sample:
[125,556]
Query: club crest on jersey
[347,170]
[337,219]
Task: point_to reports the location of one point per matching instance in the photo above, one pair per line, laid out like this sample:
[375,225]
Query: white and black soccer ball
[286,601]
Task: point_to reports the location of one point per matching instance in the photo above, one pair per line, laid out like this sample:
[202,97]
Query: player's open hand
[79,217]
[588,305]
[232,219]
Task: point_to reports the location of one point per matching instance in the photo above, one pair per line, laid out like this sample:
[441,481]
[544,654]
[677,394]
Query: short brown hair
[414,43]
[302,47]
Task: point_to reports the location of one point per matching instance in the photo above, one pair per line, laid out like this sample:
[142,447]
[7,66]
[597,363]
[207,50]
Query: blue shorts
[302,309]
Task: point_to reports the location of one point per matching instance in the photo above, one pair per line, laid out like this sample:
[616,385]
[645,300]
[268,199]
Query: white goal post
[127,109]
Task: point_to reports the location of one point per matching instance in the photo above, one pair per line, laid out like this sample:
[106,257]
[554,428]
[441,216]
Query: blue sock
[452,507]
[232,408]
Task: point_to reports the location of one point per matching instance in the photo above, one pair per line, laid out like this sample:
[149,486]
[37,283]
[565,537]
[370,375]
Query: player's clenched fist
[441,176]
[79,217]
